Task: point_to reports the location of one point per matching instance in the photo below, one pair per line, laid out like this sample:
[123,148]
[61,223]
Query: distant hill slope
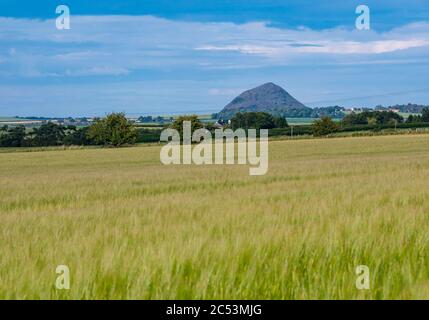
[269,98]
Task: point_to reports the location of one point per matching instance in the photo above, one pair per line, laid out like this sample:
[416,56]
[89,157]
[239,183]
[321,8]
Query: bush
[324,126]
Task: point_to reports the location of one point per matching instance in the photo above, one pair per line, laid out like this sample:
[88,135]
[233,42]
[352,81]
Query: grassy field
[300,121]
[130,228]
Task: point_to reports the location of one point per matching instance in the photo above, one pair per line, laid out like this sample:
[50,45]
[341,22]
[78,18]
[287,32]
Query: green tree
[410,119]
[388,117]
[257,120]
[324,126]
[355,119]
[280,122]
[371,117]
[114,130]
[178,124]
[425,114]
[12,137]
[48,134]
[78,137]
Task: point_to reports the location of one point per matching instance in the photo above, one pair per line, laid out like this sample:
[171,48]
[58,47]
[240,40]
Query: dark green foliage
[425,114]
[257,120]
[324,126]
[424,117]
[78,137]
[12,137]
[413,118]
[280,122]
[48,134]
[178,124]
[372,117]
[295,130]
[292,112]
[308,129]
[388,117]
[355,119]
[115,130]
[148,135]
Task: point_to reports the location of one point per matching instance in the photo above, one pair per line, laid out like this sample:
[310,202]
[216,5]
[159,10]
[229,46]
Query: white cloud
[117,45]
[286,43]
[97,71]
[144,63]
[79,55]
[341,48]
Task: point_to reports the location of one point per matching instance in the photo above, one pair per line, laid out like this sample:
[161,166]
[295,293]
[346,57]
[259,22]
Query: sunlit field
[130,228]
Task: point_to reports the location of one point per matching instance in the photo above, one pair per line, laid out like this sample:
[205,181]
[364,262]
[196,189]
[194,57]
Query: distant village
[334,112]
[78,121]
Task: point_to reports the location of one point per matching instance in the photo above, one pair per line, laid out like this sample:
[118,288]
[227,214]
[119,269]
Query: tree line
[350,122]
[424,117]
[257,120]
[114,130]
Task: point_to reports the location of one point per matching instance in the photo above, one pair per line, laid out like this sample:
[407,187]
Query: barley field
[130,228]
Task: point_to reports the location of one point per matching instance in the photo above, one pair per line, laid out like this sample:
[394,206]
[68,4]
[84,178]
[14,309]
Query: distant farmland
[300,121]
[129,227]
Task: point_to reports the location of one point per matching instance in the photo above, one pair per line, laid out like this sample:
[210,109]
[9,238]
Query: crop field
[130,228]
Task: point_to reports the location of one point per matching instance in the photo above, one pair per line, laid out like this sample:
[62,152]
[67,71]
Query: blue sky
[155,57]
